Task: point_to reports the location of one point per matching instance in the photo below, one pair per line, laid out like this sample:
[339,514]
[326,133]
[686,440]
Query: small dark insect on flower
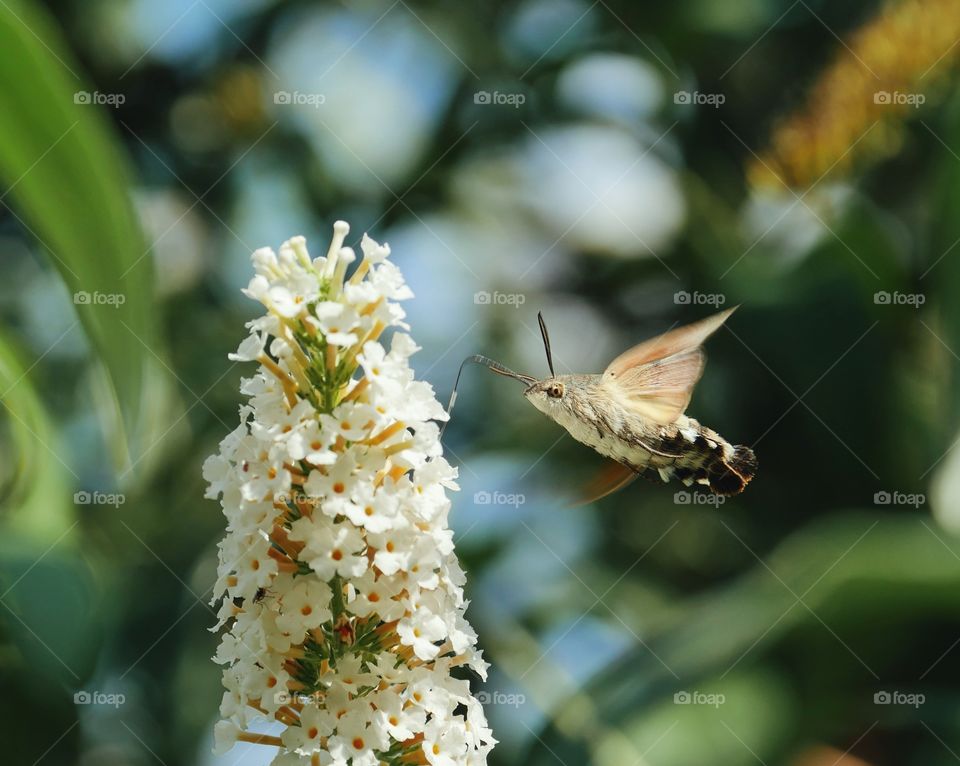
[633,413]
[257,598]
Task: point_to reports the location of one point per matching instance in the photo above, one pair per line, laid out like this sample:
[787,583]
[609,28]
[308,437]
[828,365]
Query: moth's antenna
[493,366]
[546,342]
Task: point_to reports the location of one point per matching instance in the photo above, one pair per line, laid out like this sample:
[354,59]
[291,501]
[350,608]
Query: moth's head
[547,395]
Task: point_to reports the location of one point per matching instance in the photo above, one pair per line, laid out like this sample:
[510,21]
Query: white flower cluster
[342,596]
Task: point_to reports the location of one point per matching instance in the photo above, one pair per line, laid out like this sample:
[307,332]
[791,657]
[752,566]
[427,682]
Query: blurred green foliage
[798,601]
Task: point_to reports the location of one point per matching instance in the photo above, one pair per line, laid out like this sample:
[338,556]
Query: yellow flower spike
[288,328]
[345,257]
[330,354]
[360,272]
[357,390]
[371,307]
[857,106]
[259,739]
[287,716]
[306,321]
[396,472]
[295,474]
[393,449]
[385,434]
[372,334]
[289,387]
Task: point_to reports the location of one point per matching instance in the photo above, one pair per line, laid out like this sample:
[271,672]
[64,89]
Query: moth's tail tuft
[729,477]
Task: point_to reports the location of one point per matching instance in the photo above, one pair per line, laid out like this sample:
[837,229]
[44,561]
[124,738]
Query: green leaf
[65,182]
[35,484]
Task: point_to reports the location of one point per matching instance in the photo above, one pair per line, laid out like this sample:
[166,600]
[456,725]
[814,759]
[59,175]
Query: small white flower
[422,630]
[339,324]
[445,742]
[304,607]
[342,551]
[374,510]
[353,421]
[400,722]
[249,350]
[375,595]
[315,725]
[356,739]
[312,443]
[373,252]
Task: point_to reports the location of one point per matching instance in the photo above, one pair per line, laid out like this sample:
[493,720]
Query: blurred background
[622,167]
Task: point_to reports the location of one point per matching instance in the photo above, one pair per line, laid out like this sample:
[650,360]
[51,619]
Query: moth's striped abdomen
[730,477]
[695,454]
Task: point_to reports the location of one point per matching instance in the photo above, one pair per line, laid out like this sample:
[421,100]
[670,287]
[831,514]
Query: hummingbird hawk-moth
[633,413]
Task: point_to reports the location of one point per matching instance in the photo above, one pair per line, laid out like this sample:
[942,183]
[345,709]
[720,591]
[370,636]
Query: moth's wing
[612,477]
[655,379]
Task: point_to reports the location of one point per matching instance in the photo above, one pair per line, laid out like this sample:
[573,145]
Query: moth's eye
[555,390]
